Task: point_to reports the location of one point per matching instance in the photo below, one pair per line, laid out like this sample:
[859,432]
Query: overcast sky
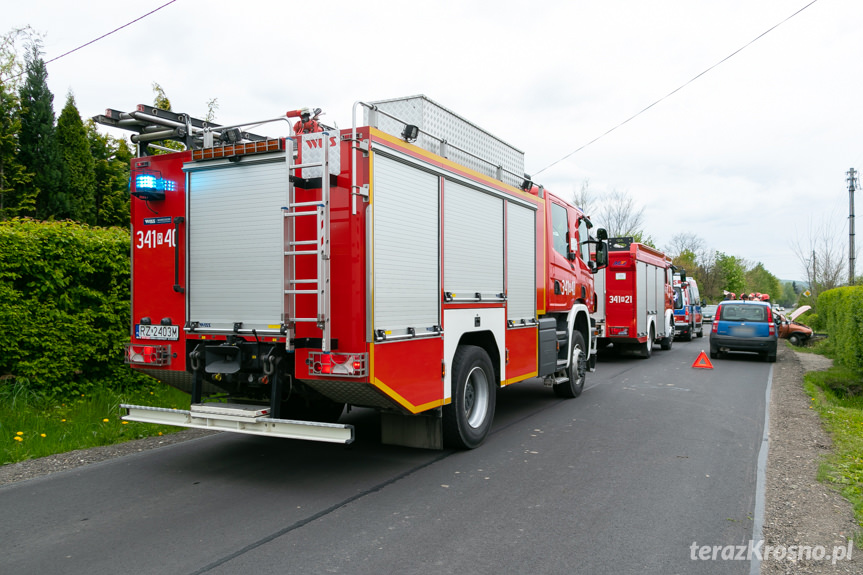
[750,156]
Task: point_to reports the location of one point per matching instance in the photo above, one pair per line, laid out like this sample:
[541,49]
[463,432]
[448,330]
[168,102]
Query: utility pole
[852,186]
[814,274]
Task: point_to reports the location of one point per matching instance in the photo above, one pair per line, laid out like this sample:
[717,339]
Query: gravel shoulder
[799,509]
[62,461]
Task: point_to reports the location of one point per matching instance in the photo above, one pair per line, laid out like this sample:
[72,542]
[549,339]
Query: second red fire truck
[636,307]
[405,264]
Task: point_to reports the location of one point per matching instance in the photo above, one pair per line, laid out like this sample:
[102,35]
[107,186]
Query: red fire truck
[637,309]
[405,264]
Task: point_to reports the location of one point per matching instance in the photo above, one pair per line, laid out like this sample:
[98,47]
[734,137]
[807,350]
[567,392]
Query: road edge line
[761,478]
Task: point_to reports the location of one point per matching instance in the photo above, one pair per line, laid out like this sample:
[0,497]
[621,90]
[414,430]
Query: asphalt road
[653,457]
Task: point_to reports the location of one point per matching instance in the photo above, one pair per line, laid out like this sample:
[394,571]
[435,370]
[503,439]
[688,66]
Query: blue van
[687,308]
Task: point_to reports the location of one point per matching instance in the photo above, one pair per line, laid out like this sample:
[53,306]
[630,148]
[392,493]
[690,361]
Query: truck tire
[646,348]
[468,417]
[666,342]
[576,371]
[700,332]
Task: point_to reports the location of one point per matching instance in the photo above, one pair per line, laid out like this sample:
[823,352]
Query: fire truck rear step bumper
[240,419]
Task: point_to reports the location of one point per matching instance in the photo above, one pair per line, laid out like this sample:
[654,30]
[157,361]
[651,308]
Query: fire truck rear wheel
[576,371]
[666,342]
[647,347]
[467,418]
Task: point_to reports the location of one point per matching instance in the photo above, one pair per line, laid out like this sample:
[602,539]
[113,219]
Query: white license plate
[742,330]
[157,331]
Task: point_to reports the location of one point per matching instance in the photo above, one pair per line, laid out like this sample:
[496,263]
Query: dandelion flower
[20,433]
[62,421]
[105,420]
[42,435]
[18,438]
[160,433]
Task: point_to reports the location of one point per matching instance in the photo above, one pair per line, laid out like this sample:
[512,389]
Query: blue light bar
[152,187]
[148,182]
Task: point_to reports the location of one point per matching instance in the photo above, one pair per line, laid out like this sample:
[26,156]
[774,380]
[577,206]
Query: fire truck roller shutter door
[406,211]
[643,285]
[521,266]
[473,242]
[231,278]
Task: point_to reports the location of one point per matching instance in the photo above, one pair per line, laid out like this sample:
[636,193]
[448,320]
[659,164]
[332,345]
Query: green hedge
[841,312]
[64,305]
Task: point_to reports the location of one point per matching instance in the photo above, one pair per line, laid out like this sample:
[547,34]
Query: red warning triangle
[702,362]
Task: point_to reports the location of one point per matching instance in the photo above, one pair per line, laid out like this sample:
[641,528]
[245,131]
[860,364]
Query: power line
[678,88]
[97,39]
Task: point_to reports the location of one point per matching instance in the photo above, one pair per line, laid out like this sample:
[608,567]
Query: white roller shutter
[520,263]
[473,242]
[406,212]
[235,243]
[642,295]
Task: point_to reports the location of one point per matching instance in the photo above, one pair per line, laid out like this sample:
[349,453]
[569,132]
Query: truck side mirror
[570,255]
[601,256]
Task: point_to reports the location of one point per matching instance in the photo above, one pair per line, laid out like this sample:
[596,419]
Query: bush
[841,312]
[843,382]
[812,320]
[64,305]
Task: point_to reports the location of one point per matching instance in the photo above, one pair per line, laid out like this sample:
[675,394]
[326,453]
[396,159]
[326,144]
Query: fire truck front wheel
[576,372]
[467,418]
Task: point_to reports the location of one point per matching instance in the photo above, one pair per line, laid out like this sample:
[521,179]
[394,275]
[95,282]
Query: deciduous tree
[759,280]
[619,214]
[731,273]
[17,197]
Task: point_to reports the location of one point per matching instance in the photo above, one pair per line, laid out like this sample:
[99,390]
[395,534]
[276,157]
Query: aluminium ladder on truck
[318,247]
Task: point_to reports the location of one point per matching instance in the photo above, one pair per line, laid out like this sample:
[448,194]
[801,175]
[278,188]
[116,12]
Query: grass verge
[837,395]
[33,425]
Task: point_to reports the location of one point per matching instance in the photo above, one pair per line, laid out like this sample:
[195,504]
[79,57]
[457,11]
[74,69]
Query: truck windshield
[678,298]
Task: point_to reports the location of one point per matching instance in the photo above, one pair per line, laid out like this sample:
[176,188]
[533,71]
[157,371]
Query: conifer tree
[38,150]
[79,178]
[112,157]
[17,197]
